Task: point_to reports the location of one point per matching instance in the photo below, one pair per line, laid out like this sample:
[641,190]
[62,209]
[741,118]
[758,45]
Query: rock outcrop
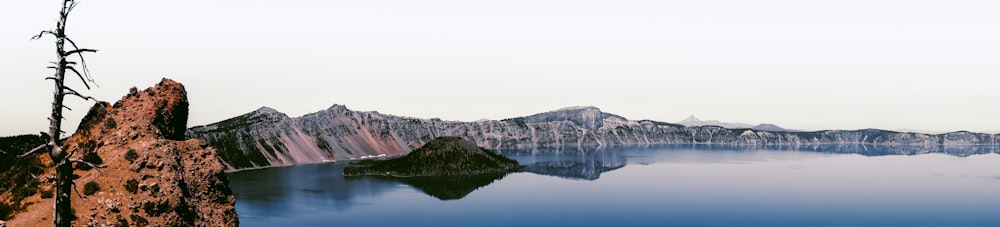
[444,156]
[269,138]
[152,177]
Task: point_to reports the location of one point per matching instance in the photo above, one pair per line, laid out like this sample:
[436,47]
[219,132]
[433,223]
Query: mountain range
[266,137]
[694,121]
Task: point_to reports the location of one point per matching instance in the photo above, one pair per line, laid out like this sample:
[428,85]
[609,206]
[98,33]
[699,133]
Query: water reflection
[321,186]
[861,149]
[289,192]
[443,187]
[575,170]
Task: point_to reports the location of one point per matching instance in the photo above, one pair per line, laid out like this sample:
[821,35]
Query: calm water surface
[643,187]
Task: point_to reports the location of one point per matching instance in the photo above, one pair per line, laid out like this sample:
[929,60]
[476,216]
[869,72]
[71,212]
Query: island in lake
[443,156]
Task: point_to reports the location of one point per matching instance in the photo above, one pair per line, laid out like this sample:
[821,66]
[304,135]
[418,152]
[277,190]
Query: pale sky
[811,65]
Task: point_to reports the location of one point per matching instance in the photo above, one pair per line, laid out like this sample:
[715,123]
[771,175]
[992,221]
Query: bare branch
[77,94]
[85,70]
[71,153]
[40,34]
[70,8]
[78,51]
[70,109]
[95,166]
[80,75]
[36,149]
[74,189]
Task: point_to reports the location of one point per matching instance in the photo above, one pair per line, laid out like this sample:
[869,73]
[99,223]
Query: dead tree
[61,159]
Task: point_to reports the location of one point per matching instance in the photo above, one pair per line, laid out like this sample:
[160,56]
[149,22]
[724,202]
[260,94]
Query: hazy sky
[891,64]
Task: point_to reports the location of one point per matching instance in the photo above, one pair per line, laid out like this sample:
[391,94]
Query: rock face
[444,156]
[151,177]
[269,138]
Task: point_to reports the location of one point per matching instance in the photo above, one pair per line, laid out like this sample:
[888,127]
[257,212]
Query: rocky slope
[443,156]
[152,176]
[269,138]
[17,176]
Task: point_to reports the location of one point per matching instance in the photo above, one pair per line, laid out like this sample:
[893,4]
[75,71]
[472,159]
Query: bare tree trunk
[62,211]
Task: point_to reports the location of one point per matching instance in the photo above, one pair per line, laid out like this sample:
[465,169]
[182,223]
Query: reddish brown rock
[177,182]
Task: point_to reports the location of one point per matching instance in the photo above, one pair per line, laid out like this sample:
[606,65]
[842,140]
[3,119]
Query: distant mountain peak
[268,112]
[694,121]
[691,118]
[337,107]
[572,108]
[771,127]
[265,109]
[586,116]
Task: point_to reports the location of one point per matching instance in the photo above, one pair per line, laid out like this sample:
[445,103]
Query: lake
[647,186]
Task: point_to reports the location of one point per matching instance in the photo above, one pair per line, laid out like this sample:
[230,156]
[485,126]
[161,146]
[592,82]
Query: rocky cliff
[152,176]
[269,138]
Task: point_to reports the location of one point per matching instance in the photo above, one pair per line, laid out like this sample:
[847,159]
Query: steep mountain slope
[152,176]
[268,138]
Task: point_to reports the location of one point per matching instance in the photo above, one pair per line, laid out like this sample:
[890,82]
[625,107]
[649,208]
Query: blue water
[653,186]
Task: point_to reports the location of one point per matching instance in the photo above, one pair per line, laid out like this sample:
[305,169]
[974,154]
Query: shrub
[121,222]
[89,154]
[91,157]
[131,156]
[139,220]
[150,208]
[90,188]
[6,209]
[28,189]
[47,193]
[157,209]
[132,185]
[110,123]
